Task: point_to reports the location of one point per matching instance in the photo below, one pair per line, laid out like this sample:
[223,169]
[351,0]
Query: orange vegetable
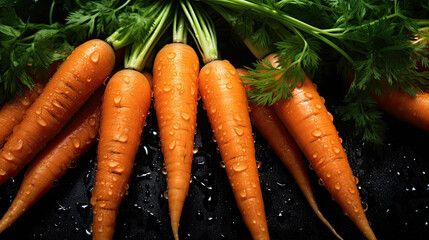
[269,125]
[175,89]
[55,159]
[226,104]
[414,110]
[311,125]
[12,113]
[73,83]
[124,110]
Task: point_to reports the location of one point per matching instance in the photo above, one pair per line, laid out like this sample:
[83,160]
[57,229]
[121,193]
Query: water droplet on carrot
[316,133]
[239,166]
[239,130]
[213,109]
[95,56]
[171,132]
[25,101]
[220,127]
[315,155]
[171,55]
[243,194]
[337,186]
[237,117]
[2,172]
[328,175]
[76,143]
[336,149]
[364,206]
[318,106]
[176,126]
[320,182]
[113,164]
[123,138]
[38,111]
[164,170]
[229,85]
[110,191]
[100,218]
[117,99]
[172,145]
[258,164]
[309,95]
[9,156]
[356,179]
[232,71]
[195,150]
[351,190]
[41,122]
[18,145]
[165,194]
[92,121]
[323,100]
[185,116]
[207,72]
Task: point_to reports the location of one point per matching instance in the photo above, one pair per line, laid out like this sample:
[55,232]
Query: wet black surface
[394,183]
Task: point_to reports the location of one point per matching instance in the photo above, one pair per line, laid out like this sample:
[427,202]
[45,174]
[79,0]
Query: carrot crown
[202,30]
[137,55]
[179,27]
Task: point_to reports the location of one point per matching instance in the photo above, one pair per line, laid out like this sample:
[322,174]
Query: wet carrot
[175,89]
[311,125]
[73,83]
[269,125]
[124,109]
[77,137]
[414,110]
[12,113]
[226,104]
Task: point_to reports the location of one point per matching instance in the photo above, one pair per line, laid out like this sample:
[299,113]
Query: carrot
[73,83]
[310,124]
[12,112]
[414,110]
[265,119]
[124,109]
[225,101]
[175,89]
[50,164]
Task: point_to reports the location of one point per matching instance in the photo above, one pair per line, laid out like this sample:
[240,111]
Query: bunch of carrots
[87,102]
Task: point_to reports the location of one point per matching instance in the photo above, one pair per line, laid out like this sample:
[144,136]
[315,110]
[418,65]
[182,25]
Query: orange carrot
[265,119]
[226,103]
[12,113]
[310,124]
[175,89]
[414,110]
[50,164]
[73,83]
[124,109]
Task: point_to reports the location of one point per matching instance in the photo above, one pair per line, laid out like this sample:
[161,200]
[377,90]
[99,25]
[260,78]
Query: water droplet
[348,201]
[92,121]
[229,85]
[185,115]
[171,55]
[351,190]
[258,164]
[315,155]
[316,133]
[318,106]
[323,100]
[176,126]
[328,175]
[195,150]
[309,95]
[2,172]
[76,142]
[25,101]
[207,71]
[117,99]
[18,145]
[222,164]
[237,117]
[167,88]
[171,132]
[356,179]
[239,166]
[110,191]
[95,56]
[113,164]
[42,122]
[38,111]
[123,138]
[239,130]
[337,186]
[232,71]
[320,182]
[9,156]
[336,149]
[365,206]
[213,109]
[341,140]
[100,218]
[243,194]
[165,194]
[172,145]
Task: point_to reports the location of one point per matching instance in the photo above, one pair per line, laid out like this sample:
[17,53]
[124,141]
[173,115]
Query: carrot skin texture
[269,125]
[175,78]
[54,160]
[226,104]
[12,113]
[414,110]
[124,109]
[311,125]
[70,87]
